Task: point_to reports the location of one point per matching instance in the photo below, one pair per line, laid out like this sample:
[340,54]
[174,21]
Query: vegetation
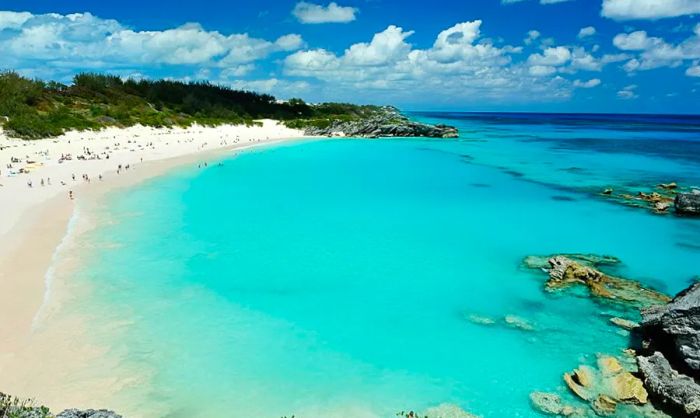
[12,407]
[36,109]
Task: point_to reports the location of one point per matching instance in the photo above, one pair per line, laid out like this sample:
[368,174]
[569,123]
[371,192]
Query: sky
[614,56]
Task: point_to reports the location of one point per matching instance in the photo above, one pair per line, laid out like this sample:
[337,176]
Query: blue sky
[472,55]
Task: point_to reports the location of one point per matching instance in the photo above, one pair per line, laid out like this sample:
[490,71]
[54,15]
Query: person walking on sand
[70,194]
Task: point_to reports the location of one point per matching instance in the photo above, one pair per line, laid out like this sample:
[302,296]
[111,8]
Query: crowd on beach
[34,164]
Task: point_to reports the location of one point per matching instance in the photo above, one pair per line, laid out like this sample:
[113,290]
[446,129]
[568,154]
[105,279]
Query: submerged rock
[519,323]
[607,386]
[590,260]
[675,392]
[604,406]
[624,323]
[688,203]
[565,272]
[445,410]
[480,320]
[552,404]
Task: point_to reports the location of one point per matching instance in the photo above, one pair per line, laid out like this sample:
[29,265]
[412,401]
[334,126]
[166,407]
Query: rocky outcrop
[609,388]
[669,356]
[88,413]
[688,203]
[13,407]
[676,393]
[674,330]
[388,123]
[664,197]
[565,271]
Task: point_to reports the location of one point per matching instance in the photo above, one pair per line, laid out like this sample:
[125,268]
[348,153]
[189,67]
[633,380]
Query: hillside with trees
[37,109]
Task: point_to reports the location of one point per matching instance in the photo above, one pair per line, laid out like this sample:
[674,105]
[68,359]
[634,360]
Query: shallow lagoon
[335,278]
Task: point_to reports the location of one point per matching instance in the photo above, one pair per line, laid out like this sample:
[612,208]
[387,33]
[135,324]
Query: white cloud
[13,20]
[628,93]
[542,70]
[654,52]
[554,56]
[541,1]
[386,47]
[693,71]
[81,41]
[460,65]
[532,36]
[586,32]
[594,82]
[314,13]
[278,87]
[648,9]
[635,41]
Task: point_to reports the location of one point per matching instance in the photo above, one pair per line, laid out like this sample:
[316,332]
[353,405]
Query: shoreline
[39,221]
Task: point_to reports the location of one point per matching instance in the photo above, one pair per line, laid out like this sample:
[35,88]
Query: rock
[480,320]
[668,186]
[565,272]
[519,323]
[446,410]
[551,404]
[674,330]
[677,393]
[609,366]
[608,191]
[387,123]
[661,206]
[88,413]
[628,388]
[573,381]
[604,405]
[590,260]
[688,204]
[624,323]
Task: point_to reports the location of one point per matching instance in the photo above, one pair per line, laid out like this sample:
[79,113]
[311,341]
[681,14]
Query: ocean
[340,278]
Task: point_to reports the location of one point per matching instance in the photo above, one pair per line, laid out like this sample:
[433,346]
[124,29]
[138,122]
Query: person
[29,183]
[70,194]
[100,177]
[42,182]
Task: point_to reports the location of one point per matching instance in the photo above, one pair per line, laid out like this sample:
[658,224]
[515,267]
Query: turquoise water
[334,278]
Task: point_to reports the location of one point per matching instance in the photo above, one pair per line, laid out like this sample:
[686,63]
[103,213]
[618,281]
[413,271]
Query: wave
[49,276]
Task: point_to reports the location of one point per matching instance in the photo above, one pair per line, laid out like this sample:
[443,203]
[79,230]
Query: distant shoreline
[36,219]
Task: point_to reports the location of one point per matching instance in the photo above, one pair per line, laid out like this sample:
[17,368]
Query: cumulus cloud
[541,1]
[648,9]
[82,41]
[586,32]
[693,71]
[461,64]
[314,13]
[594,82]
[628,93]
[654,52]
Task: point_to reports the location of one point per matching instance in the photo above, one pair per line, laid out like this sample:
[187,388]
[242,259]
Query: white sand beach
[40,183]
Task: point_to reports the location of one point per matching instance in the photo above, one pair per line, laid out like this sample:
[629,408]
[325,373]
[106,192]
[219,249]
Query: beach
[38,204]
